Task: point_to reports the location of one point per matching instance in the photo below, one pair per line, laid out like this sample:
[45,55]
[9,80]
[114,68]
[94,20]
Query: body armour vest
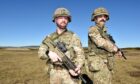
[92,47]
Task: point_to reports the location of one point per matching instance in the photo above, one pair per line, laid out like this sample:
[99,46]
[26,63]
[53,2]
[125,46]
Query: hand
[119,54]
[115,48]
[78,69]
[75,72]
[54,57]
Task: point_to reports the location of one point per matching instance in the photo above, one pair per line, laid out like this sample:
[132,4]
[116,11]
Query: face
[101,19]
[62,21]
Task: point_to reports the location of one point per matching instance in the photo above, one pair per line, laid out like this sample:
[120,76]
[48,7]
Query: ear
[55,20]
[95,19]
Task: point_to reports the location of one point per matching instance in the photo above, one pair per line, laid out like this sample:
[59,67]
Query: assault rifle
[60,49]
[112,40]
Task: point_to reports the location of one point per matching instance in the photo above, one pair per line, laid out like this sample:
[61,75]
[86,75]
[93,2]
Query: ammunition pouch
[48,68]
[94,62]
[72,53]
[110,62]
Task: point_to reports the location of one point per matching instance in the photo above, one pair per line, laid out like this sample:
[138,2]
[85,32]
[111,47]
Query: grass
[128,72]
[24,67]
[21,67]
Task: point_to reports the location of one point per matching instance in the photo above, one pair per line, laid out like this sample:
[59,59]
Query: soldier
[101,48]
[57,71]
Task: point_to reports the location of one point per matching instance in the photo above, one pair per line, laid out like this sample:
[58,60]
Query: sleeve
[43,52]
[99,40]
[77,46]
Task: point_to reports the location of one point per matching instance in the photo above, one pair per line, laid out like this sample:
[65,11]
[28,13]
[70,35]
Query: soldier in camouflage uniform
[57,71]
[101,49]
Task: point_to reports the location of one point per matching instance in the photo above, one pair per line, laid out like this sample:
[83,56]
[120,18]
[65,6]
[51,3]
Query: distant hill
[29,47]
[131,48]
[19,47]
[36,47]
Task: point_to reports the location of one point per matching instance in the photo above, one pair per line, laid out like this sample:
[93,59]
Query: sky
[28,22]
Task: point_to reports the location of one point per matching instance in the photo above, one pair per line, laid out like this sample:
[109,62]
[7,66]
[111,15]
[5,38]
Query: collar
[62,32]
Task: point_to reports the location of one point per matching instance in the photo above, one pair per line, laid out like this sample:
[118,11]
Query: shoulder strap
[55,35]
[70,32]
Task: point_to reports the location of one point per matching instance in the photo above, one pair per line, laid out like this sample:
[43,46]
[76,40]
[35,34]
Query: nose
[103,18]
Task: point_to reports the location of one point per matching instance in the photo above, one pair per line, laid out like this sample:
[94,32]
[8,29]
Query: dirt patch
[31,81]
[134,73]
[27,81]
[18,82]
[136,66]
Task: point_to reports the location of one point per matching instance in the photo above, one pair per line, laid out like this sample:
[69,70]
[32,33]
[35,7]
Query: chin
[63,27]
[102,23]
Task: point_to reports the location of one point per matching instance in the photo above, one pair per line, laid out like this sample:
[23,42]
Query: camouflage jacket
[98,40]
[75,51]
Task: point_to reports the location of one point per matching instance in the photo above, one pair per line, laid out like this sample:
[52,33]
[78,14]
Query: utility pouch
[94,62]
[110,62]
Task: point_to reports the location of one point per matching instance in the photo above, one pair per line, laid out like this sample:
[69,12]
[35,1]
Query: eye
[105,16]
[66,17]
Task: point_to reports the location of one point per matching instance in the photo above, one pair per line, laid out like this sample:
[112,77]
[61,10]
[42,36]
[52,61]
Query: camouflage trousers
[61,77]
[103,75]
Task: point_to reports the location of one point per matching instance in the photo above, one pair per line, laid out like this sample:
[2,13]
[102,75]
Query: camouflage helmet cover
[61,12]
[99,11]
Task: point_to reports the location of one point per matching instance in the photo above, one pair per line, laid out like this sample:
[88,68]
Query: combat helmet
[61,12]
[99,11]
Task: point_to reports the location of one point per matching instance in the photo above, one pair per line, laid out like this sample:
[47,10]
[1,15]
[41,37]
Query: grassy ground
[21,67]
[128,72]
[24,67]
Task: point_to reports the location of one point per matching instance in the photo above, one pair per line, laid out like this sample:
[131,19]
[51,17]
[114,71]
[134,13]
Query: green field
[24,67]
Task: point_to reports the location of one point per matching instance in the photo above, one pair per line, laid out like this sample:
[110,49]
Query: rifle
[60,49]
[112,40]
[122,54]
